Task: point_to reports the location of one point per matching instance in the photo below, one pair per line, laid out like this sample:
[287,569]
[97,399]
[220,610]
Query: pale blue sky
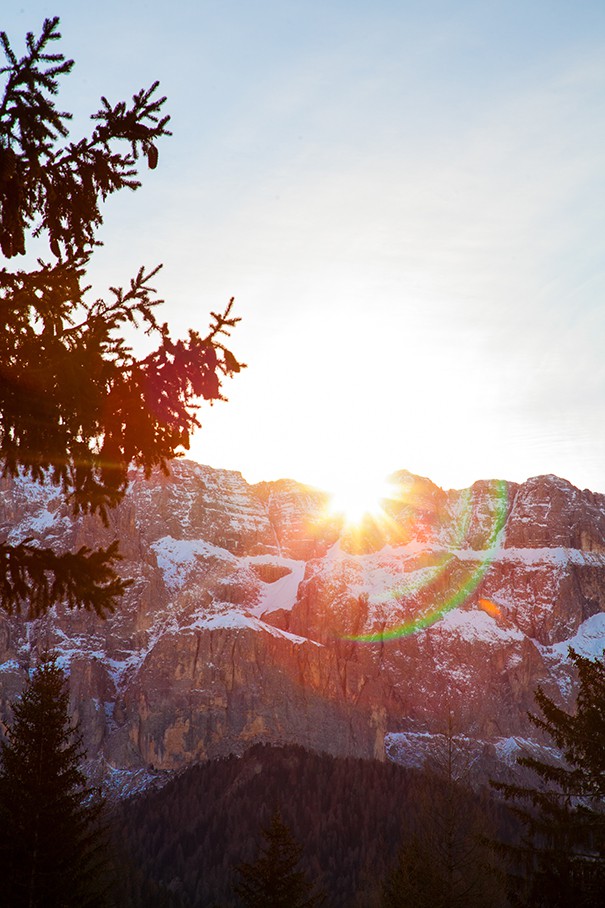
[407,200]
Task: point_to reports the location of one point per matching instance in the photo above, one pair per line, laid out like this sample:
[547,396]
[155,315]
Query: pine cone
[152,157]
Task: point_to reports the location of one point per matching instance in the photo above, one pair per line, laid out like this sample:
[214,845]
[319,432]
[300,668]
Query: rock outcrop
[256,616]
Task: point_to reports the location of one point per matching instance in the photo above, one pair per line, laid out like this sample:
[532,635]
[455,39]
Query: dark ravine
[241,624]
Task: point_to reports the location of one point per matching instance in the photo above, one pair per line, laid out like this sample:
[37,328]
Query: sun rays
[360,498]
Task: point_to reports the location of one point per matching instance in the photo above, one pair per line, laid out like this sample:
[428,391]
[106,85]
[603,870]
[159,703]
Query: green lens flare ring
[465,589]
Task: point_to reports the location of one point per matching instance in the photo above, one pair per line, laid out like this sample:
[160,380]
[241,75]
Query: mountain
[255,616]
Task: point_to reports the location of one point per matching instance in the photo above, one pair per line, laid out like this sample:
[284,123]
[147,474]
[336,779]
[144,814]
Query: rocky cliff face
[255,616]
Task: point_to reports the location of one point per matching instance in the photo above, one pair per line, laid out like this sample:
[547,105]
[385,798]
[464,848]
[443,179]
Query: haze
[407,201]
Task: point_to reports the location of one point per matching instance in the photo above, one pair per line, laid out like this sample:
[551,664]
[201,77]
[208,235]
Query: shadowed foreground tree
[77,407]
[560,860]
[52,845]
[448,863]
[273,879]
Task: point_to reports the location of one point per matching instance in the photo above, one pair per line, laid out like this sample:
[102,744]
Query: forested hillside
[350,815]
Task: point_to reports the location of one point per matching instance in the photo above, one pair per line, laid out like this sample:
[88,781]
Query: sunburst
[357,499]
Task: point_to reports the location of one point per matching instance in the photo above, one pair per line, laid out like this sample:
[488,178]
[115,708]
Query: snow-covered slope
[256,616]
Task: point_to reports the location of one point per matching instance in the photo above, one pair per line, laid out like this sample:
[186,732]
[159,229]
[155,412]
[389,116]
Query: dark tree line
[380,836]
[349,816]
[359,833]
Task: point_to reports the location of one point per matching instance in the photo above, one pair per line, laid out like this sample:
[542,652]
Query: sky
[407,201]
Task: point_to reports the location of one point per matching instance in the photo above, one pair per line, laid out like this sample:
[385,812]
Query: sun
[359,498]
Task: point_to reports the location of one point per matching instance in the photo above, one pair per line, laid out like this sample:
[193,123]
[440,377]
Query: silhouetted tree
[273,879]
[561,858]
[77,407]
[52,846]
[457,827]
[447,864]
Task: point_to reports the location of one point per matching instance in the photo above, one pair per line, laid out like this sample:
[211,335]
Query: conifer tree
[51,840]
[561,857]
[77,407]
[447,864]
[273,879]
[416,879]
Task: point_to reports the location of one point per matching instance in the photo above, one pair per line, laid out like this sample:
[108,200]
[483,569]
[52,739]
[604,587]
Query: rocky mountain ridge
[255,615]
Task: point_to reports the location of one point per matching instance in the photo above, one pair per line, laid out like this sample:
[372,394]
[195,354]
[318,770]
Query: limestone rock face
[549,512]
[256,616]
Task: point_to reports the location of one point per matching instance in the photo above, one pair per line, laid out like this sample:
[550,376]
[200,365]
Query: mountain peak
[254,617]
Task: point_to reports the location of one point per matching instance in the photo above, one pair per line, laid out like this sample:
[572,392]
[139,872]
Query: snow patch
[588,641]
[177,557]
[282,593]
[477,625]
[509,749]
[409,749]
[235,620]
[415,749]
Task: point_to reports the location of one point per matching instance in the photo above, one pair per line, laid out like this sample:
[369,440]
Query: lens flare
[356,499]
[467,586]
[490,608]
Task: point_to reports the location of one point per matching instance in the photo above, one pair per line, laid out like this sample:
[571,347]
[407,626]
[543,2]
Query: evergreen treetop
[274,878]
[580,736]
[51,840]
[77,406]
[560,859]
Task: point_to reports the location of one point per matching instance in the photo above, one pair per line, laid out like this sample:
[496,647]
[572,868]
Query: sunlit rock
[257,615]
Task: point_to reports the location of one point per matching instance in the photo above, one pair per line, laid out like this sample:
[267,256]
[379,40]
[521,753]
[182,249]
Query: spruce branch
[35,579]
[77,407]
